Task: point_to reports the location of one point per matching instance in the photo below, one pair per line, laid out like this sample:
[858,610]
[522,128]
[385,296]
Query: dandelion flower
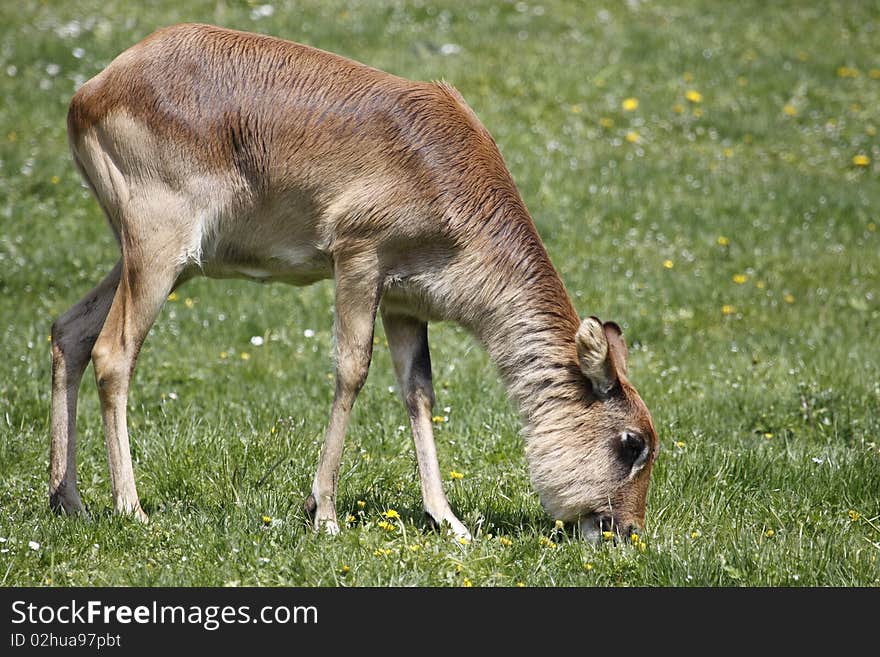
[607,535]
[634,539]
[861,160]
[668,264]
[438,419]
[266,520]
[854,515]
[351,518]
[694,96]
[727,309]
[588,567]
[189,303]
[739,279]
[454,475]
[387,526]
[173,297]
[463,540]
[391,514]
[630,104]
[696,534]
[546,542]
[769,533]
[847,72]
[632,137]
[521,584]
[678,108]
[54,180]
[344,569]
[559,524]
[605,122]
[874,74]
[575,109]
[680,444]
[768,435]
[789,298]
[790,110]
[722,241]
[506,542]
[727,152]
[467,583]
[361,504]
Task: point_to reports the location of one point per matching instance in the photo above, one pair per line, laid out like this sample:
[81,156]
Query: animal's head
[592,452]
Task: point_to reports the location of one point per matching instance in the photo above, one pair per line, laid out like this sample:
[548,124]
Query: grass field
[708,178]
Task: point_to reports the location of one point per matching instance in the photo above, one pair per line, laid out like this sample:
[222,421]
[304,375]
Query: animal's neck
[529,329]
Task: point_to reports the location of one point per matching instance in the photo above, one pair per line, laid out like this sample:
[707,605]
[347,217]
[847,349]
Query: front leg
[408,342]
[357,298]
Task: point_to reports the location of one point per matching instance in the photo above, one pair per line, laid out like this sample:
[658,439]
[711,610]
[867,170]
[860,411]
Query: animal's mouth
[599,526]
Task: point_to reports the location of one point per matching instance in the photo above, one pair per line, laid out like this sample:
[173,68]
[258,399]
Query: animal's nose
[604,526]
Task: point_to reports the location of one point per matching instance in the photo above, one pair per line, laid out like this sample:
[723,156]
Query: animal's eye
[632,448]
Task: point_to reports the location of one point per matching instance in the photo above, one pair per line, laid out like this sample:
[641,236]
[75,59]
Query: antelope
[228,154]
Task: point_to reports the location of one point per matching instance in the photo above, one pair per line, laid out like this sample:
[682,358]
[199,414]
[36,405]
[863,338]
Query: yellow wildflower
[635,539]
[694,96]
[632,137]
[266,520]
[678,108]
[521,584]
[467,583]
[768,435]
[391,514]
[605,122]
[698,112]
[438,419]
[54,180]
[361,504]
[453,474]
[559,524]
[769,533]
[245,355]
[506,542]
[189,303]
[861,160]
[387,526]
[607,535]
[546,542]
[760,285]
[696,534]
[728,152]
[668,264]
[351,518]
[415,548]
[789,110]
[874,74]
[854,515]
[224,355]
[462,540]
[680,444]
[575,109]
[847,72]
[344,569]
[727,309]
[739,279]
[789,298]
[723,241]
[630,104]
[172,296]
[588,567]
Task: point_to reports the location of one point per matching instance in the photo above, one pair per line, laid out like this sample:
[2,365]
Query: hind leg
[142,290]
[73,336]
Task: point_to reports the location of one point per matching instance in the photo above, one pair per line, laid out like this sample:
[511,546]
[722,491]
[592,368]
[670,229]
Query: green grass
[765,393]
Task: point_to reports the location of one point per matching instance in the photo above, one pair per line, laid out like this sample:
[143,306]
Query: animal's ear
[617,353]
[594,349]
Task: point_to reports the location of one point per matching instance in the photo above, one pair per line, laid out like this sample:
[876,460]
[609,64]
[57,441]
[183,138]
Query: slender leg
[73,336]
[143,288]
[357,298]
[408,341]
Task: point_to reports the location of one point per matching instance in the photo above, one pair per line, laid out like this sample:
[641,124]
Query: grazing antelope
[228,154]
